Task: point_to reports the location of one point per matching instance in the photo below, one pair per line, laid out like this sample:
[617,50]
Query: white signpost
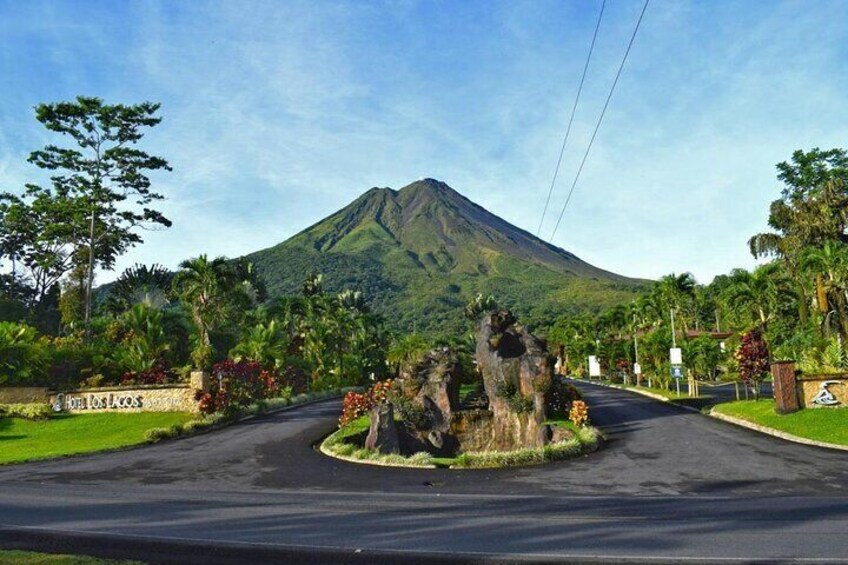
[594,367]
[676,357]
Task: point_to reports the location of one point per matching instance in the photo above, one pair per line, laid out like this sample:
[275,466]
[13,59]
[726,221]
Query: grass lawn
[29,558]
[821,424]
[68,434]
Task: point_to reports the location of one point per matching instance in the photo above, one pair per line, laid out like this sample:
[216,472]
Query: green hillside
[420,253]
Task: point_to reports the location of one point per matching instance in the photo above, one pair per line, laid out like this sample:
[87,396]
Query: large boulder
[517,375]
[434,386]
[383,433]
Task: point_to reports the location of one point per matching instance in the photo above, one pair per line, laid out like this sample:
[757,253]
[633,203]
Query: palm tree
[140,284]
[828,265]
[263,343]
[759,293]
[146,342]
[205,287]
[353,300]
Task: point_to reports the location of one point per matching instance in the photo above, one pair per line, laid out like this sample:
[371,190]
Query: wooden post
[736,386]
[785,389]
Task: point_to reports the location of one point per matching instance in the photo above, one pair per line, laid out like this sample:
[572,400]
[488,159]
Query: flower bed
[586,440]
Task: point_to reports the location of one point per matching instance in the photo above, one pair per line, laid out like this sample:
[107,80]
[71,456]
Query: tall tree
[813,209]
[37,233]
[104,175]
[207,288]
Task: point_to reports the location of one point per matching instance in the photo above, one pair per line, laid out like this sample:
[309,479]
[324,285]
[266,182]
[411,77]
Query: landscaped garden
[828,425]
[508,408]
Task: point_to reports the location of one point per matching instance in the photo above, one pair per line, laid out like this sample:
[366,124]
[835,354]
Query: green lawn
[821,424]
[68,434]
[29,558]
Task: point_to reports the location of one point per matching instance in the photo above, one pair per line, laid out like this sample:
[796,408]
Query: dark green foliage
[560,396]
[518,402]
[23,358]
[139,284]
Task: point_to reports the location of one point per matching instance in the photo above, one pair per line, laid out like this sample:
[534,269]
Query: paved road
[669,485]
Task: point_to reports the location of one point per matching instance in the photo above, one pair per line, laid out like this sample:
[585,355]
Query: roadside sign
[594,367]
[676,355]
[677,371]
[637,369]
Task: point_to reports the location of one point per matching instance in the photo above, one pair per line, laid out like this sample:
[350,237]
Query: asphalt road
[669,485]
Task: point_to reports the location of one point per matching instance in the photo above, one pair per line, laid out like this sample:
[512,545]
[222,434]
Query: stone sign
[178,398]
[823,391]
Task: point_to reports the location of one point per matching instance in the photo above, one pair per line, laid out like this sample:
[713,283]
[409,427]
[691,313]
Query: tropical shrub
[295,378]
[29,411]
[155,375]
[703,355]
[753,359]
[69,359]
[354,405]
[23,357]
[154,435]
[407,351]
[357,404]
[829,357]
[236,385]
[560,396]
[144,342]
[263,343]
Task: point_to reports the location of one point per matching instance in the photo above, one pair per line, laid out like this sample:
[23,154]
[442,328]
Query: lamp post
[598,353]
[637,369]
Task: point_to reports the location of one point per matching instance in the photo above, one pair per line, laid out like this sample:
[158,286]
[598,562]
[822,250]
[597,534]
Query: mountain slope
[420,253]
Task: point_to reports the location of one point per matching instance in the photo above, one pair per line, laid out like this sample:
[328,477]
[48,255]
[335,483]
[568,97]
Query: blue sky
[277,114]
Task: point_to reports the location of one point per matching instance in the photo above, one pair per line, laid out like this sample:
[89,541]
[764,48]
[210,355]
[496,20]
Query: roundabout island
[509,409]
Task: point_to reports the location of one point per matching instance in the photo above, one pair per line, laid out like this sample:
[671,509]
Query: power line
[571,119]
[600,119]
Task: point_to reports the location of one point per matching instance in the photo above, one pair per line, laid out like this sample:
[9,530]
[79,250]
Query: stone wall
[23,394]
[171,398]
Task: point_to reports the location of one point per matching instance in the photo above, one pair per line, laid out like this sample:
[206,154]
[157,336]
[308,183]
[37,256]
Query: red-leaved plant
[237,384]
[156,375]
[358,404]
[753,359]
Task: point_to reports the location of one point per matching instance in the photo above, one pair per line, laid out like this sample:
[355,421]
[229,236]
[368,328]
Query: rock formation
[508,414]
[517,374]
[383,433]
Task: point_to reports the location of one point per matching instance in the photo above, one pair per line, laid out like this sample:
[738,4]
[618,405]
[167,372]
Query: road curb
[326,451]
[773,432]
[642,393]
